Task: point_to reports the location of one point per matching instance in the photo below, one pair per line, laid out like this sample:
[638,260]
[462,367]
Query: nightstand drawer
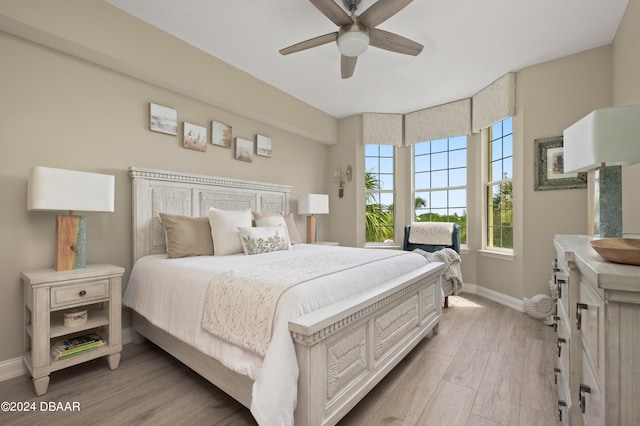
[79,293]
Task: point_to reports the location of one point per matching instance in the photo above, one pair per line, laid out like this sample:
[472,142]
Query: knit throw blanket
[452,271]
[240,304]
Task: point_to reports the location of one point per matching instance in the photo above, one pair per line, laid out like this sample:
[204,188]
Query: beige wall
[61,111]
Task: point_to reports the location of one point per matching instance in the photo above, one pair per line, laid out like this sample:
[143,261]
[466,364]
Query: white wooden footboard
[345,349]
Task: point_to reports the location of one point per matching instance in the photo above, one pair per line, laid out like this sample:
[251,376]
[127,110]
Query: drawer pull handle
[579,308]
[560,341]
[560,282]
[583,402]
[82,293]
[555,375]
[560,405]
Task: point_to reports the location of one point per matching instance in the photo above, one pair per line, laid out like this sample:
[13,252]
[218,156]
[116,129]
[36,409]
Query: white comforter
[170,293]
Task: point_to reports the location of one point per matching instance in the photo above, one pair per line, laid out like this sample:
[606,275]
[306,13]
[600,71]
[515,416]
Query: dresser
[598,336]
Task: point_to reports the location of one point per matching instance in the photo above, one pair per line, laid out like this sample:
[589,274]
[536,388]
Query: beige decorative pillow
[187,236]
[224,229]
[294,235]
[263,239]
[271,219]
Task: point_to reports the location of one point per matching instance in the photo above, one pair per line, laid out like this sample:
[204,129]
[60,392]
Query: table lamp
[601,143]
[59,189]
[313,204]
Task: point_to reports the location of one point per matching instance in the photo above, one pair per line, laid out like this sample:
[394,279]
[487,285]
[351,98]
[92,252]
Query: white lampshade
[59,189]
[607,135]
[353,43]
[313,204]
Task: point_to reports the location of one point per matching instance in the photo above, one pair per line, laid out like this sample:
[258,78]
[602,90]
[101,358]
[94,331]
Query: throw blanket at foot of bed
[452,270]
[240,304]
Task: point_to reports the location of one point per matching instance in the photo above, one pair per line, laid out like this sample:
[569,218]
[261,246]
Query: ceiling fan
[357,32]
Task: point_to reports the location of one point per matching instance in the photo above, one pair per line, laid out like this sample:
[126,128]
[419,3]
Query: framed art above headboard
[160,191]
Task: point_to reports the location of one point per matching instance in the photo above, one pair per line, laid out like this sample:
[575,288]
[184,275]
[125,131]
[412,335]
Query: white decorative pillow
[263,239]
[271,219]
[224,229]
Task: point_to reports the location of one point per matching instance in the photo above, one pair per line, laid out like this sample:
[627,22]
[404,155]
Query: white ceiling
[467,45]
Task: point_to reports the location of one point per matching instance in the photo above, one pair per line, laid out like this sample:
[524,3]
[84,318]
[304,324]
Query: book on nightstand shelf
[64,349]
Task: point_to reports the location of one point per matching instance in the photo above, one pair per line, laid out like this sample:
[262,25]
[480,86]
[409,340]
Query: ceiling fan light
[353,43]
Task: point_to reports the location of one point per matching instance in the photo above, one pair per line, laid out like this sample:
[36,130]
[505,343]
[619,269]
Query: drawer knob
[82,293]
[560,405]
[583,402]
[579,308]
[560,341]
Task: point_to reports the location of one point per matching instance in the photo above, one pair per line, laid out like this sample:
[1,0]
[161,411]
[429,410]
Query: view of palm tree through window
[379,165]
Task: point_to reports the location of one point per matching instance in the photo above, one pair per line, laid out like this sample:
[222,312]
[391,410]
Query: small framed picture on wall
[221,134]
[244,150]
[163,119]
[263,146]
[194,137]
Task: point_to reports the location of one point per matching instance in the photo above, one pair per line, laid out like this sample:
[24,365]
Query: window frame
[393,192]
[447,188]
[488,186]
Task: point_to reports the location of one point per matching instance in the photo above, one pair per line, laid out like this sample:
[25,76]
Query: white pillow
[224,229]
[272,220]
[263,239]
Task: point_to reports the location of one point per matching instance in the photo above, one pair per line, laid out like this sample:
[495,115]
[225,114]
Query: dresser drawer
[90,291]
[590,323]
[589,396]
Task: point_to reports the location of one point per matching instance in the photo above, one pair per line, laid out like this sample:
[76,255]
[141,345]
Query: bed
[342,342]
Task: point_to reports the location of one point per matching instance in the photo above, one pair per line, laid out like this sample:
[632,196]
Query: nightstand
[48,295]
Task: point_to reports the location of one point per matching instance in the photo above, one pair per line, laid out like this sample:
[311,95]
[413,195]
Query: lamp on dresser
[60,189]
[600,144]
[312,205]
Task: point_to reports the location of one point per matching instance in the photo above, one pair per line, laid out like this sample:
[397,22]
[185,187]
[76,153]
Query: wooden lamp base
[71,234]
[311,229]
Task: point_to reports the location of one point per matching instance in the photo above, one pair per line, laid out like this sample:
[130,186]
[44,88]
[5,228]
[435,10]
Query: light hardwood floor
[489,365]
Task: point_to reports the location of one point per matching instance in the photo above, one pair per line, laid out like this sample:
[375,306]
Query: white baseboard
[15,367]
[501,298]
[12,368]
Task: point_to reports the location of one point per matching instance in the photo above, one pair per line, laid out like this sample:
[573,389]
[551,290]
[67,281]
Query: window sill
[392,246]
[497,254]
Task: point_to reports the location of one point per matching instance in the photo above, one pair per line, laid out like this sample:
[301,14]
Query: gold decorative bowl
[618,250]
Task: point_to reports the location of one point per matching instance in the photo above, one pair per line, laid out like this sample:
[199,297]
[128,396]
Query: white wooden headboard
[156,191]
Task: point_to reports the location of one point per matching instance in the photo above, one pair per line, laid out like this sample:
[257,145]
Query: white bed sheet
[170,294]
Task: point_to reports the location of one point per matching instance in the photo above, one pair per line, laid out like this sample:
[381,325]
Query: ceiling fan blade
[381,11]
[331,10]
[393,42]
[348,65]
[308,44]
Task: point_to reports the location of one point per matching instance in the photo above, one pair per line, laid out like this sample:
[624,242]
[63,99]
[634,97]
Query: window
[379,192]
[499,189]
[440,182]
